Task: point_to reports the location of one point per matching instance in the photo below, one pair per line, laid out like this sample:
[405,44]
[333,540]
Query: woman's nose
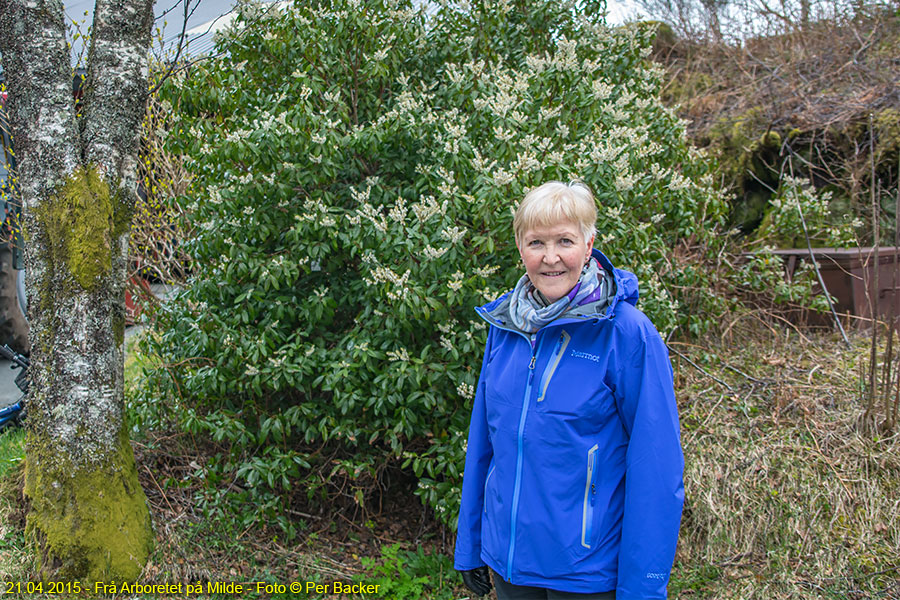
[551,256]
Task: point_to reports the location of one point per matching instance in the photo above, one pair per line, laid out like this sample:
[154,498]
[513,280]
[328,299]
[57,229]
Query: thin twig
[815,265]
[873,296]
[701,369]
[886,374]
[891,415]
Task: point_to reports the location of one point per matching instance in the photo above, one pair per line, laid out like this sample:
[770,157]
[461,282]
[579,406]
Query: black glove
[478,580]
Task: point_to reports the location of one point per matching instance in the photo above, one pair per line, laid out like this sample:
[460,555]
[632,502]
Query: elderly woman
[573,478]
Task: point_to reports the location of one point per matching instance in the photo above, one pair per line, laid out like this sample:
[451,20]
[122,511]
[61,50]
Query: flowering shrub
[796,201]
[355,170]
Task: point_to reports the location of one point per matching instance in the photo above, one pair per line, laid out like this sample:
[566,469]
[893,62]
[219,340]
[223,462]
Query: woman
[573,478]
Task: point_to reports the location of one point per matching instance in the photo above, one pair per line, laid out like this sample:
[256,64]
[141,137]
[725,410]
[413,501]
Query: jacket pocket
[550,369]
[590,494]
[486,481]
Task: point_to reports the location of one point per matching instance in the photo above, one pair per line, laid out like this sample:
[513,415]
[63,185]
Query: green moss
[90,522]
[770,139]
[79,222]
[887,130]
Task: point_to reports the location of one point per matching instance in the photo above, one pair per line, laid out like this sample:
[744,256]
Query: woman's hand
[478,580]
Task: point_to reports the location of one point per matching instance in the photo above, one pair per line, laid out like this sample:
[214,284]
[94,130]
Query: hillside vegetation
[820,102]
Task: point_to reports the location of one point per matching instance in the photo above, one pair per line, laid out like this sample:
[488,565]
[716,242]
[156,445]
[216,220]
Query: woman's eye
[534,243]
[566,242]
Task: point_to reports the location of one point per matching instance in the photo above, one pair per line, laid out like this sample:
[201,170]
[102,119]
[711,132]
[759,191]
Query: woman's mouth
[553,273]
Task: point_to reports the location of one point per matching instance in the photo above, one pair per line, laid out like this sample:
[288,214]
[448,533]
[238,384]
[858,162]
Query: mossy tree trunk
[88,515]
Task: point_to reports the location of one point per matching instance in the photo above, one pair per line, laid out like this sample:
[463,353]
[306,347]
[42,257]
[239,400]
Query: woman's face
[554,257]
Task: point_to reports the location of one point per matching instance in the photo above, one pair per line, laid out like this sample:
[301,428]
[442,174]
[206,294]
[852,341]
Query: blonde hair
[555,202]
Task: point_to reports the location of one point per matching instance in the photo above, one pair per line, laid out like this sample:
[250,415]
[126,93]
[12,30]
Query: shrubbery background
[355,167]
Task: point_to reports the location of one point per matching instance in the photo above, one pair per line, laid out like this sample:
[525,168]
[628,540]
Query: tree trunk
[88,514]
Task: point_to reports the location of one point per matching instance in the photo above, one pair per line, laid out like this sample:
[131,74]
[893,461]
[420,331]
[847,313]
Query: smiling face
[554,256]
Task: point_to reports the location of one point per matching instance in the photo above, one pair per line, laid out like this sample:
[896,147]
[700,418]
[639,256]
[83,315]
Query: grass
[12,449]
[15,562]
[786,496]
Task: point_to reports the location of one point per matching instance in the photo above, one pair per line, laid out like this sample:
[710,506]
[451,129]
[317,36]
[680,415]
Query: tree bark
[88,515]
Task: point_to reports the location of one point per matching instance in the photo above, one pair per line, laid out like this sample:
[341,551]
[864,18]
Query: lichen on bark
[91,521]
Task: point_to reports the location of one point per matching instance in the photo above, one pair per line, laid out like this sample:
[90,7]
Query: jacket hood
[496,311]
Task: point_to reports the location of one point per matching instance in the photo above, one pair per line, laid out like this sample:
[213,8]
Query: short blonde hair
[556,202]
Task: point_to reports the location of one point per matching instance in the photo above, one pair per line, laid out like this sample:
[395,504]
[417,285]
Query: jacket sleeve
[478,457]
[654,466]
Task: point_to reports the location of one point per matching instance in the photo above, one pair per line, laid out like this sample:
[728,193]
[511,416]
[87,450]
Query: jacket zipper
[519,458]
[590,492]
[555,358]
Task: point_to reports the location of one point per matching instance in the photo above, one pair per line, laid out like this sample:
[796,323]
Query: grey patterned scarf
[530,310]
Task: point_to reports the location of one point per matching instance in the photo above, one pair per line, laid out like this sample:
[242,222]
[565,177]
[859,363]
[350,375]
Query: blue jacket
[573,477]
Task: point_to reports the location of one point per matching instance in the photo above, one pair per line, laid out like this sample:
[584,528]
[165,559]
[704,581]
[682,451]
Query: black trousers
[508,591]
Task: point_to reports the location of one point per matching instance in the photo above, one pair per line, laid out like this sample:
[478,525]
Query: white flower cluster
[566,56]
[427,207]
[456,281]
[238,135]
[454,73]
[400,355]
[526,162]
[379,54]
[503,177]
[434,253]
[545,114]
[368,212]
[448,326]
[466,390]
[487,271]
[214,194]
[399,211]
[454,234]
[448,189]
[626,180]
[315,211]
[678,182]
[481,164]
[381,274]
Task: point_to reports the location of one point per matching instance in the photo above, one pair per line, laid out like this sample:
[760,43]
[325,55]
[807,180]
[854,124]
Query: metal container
[849,276]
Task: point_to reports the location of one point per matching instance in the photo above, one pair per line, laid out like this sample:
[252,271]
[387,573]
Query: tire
[13,326]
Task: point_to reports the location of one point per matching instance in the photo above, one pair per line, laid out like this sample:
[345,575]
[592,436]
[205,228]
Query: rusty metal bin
[848,273]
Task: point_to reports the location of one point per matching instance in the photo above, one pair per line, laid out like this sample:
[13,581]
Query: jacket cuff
[467,562]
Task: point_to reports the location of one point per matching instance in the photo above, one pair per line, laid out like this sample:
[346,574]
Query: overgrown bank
[819,102]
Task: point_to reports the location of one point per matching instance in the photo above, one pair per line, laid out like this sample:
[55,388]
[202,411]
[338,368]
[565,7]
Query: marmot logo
[588,356]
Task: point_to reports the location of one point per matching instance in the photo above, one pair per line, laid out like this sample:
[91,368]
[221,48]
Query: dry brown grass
[786,496]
